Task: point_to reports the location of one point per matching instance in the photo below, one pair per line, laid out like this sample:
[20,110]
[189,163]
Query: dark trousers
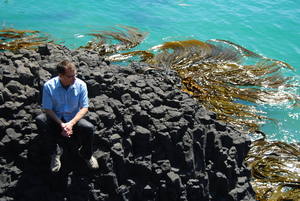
[51,131]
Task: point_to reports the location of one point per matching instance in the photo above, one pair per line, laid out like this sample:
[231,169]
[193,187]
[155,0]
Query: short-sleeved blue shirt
[65,102]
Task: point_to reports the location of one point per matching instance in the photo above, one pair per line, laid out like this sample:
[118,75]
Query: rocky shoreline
[153,142]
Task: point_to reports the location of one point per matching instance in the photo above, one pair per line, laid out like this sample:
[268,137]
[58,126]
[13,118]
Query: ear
[60,77]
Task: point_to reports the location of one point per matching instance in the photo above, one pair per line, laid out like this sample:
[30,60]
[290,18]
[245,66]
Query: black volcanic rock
[153,142]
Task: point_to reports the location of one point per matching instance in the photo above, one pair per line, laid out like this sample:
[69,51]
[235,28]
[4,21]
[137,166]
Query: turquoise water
[268,27]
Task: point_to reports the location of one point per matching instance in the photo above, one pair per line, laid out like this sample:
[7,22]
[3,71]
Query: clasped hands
[67,129]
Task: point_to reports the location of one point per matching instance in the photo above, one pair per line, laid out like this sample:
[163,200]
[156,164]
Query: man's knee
[41,120]
[85,125]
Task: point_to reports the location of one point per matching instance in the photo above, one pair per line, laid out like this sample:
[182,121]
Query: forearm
[53,116]
[82,112]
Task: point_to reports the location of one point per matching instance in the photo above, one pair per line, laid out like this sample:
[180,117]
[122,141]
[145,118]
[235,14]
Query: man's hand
[67,129]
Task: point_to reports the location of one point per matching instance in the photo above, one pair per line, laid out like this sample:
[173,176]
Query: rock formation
[153,142]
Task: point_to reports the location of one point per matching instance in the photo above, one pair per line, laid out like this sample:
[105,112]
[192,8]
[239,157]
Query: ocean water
[268,27]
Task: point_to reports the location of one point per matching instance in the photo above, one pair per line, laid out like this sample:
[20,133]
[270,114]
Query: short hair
[65,64]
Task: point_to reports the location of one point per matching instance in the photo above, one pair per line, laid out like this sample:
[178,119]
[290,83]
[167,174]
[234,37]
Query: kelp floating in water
[224,77]
[12,39]
[126,36]
[275,168]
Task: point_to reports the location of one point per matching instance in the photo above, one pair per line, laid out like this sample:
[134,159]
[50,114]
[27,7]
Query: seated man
[65,103]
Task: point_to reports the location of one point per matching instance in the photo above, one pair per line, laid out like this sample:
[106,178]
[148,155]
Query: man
[65,103]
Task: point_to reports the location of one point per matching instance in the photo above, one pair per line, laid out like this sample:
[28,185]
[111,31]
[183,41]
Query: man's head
[66,72]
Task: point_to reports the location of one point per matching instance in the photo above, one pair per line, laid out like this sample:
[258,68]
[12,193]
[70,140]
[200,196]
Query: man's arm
[81,113]
[68,127]
[53,116]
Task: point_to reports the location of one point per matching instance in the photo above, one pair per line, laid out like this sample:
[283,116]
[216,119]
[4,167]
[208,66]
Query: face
[68,78]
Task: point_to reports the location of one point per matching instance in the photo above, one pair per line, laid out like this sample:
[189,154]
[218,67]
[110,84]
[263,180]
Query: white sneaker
[55,163]
[55,159]
[92,163]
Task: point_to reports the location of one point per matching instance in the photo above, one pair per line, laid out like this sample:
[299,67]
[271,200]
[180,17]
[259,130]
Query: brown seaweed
[126,37]
[275,170]
[221,74]
[13,40]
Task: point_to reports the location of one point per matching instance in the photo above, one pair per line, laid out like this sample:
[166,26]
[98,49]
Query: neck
[64,85]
